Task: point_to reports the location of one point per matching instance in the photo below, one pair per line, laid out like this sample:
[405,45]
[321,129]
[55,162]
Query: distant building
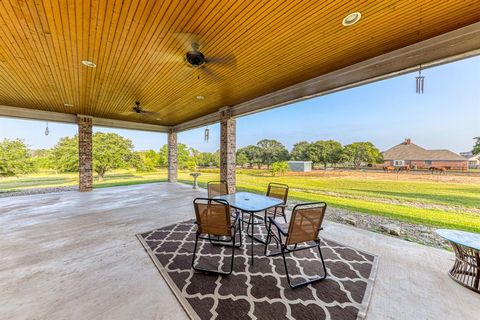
[409,154]
[300,166]
[473,160]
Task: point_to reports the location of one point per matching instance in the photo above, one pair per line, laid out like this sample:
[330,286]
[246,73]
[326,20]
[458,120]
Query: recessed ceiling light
[68,105]
[351,19]
[200,97]
[89,64]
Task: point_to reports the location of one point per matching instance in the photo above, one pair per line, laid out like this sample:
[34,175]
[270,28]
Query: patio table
[466,245]
[250,203]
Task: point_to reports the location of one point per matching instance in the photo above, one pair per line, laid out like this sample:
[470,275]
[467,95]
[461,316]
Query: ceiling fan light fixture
[195,58]
[351,19]
[89,64]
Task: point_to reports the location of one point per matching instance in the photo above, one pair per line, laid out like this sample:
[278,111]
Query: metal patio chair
[274,190]
[279,191]
[304,226]
[217,188]
[214,219]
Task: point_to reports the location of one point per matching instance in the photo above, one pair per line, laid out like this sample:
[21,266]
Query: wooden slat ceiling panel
[138,48]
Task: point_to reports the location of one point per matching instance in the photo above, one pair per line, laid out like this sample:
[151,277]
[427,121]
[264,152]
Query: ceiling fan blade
[211,74]
[185,39]
[227,60]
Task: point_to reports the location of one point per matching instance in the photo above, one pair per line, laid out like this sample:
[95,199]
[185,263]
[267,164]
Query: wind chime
[47,132]
[420,81]
[207,135]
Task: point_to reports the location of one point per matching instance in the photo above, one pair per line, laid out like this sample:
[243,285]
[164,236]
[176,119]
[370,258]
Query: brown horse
[405,169]
[388,169]
[439,170]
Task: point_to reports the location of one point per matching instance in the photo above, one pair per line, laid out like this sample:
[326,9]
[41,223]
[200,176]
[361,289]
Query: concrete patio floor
[74,255]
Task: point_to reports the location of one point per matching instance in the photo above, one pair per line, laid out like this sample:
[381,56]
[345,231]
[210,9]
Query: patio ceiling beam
[26,113]
[452,46]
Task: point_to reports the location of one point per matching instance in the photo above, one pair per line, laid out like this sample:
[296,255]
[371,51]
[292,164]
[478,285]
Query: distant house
[409,154]
[473,160]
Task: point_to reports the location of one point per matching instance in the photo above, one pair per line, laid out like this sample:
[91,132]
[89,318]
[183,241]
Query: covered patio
[75,256]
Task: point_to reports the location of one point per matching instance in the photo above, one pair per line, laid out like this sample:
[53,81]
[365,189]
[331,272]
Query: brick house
[409,154]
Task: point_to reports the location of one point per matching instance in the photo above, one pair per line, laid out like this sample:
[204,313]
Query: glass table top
[467,239]
[250,202]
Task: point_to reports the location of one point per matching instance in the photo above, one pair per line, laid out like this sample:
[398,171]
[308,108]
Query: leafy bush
[280,167]
[191,165]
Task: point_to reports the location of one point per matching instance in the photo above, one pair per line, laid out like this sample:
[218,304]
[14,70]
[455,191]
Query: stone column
[85,153]
[172,156]
[227,148]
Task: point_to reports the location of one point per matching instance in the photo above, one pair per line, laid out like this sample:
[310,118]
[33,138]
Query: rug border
[178,295]
[362,312]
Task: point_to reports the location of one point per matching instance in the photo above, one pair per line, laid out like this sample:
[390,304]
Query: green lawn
[440,204]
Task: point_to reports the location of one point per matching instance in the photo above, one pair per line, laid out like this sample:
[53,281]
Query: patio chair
[214,219]
[279,191]
[304,226]
[217,188]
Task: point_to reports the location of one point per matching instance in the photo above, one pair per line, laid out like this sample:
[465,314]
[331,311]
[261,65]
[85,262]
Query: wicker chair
[217,188]
[305,224]
[214,219]
[279,191]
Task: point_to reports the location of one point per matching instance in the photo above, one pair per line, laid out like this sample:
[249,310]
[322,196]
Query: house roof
[410,151]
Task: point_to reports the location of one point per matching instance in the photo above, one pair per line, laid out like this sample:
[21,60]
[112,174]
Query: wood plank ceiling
[254,47]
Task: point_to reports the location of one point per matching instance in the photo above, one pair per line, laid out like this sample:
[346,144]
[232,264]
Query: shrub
[279,168]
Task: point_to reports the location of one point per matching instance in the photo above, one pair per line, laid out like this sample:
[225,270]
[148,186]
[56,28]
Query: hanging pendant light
[47,132]
[420,81]
[207,134]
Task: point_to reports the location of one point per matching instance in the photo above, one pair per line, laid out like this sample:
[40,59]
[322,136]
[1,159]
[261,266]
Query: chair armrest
[279,227]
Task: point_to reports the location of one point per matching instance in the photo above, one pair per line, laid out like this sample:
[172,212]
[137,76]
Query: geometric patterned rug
[261,291]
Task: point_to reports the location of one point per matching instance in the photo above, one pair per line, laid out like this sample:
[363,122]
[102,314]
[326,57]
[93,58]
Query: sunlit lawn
[442,204]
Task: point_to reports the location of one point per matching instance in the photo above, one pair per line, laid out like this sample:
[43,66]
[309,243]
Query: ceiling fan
[138,110]
[193,57]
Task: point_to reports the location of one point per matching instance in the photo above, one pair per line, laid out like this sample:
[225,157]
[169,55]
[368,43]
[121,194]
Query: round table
[466,245]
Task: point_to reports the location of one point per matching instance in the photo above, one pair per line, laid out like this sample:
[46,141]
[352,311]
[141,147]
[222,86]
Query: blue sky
[447,116]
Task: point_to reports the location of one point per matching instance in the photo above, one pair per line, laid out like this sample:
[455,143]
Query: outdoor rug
[261,291]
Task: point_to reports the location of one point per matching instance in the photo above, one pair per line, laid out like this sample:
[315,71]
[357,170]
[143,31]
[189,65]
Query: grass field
[443,201]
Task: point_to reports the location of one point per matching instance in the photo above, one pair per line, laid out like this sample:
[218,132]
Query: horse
[388,169]
[439,170]
[403,168]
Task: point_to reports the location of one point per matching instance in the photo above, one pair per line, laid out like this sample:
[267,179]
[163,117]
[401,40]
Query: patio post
[85,171]
[172,156]
[227,148]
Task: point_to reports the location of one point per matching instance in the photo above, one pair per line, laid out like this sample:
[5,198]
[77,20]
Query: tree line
[109,151]
[325,152]
[112,151]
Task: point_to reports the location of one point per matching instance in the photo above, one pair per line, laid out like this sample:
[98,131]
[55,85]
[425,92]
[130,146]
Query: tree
[272,151]
[325,152]
[208,159]
[359,153]
[111,151]
[476,147]
[64,155]
[163,157]
[14,158]
[279,168]
[146,160]
[299,151]
[253,154]
[241,158]
[41,159]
